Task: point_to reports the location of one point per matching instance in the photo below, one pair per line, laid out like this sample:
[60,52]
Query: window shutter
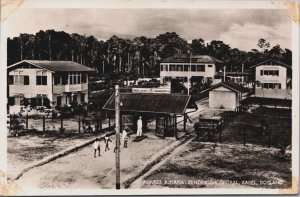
[10,80]
[26,80]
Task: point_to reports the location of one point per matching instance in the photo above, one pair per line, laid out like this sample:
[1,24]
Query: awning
[150,103]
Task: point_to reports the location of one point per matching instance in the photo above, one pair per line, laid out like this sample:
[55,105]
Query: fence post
[10,120]
[220,133]
[108,121]
[269,139]
[61,124]
[244,137]
[26,121]
[100,125]
[79,121]
[43,123]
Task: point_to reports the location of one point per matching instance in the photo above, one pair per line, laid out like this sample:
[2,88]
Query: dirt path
[82,170]
[139,182]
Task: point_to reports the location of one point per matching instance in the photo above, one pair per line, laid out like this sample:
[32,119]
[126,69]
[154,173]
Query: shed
[226,95]
[165,108]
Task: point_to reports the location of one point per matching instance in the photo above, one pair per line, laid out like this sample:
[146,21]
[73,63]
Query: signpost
[117,116]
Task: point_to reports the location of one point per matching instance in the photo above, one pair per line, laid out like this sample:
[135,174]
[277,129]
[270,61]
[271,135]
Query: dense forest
[140,55]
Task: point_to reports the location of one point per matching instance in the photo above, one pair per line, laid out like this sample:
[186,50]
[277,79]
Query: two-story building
[273,79]
[192,67]
[62,82]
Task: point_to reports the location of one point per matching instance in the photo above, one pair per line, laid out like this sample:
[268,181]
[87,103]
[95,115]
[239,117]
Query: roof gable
[56,66]
[231,86]
[151,103]
[272,62]
[185,58]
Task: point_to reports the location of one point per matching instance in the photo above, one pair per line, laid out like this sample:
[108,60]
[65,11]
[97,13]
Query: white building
[195,67]
[226,95]
[62,82]
[273,79]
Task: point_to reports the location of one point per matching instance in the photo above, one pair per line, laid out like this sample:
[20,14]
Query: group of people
[96,145]
[125,138]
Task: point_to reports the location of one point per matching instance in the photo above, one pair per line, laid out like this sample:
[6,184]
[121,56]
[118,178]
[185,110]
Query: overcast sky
[238,28]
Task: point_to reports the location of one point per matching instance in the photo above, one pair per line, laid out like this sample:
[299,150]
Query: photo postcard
[136,97]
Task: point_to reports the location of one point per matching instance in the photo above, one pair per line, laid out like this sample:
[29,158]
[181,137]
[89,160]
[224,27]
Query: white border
[161,4]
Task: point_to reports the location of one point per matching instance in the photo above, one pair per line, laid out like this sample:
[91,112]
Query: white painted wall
[282,78]
[32,89]
[223,97]
[209,71]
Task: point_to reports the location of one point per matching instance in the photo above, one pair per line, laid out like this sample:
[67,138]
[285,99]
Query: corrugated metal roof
[185,58]
[151,103]
[57,66]
[276,63]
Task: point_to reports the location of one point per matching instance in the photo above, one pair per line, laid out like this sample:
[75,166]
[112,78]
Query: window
[57,80]
[164,67]
[41,78]
[71,79]
[193,68]
[186,67]
[172,67]
[79,78]
[179,68]
[271,85]
[200,68]
[10,80]
[167,79]
[83,78]
[26,80]
[82,96]
[210,65]
[269,72]
[41,100]
[18,79]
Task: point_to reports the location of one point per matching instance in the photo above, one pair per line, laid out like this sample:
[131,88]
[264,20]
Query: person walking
[107,140]
[125,137]
[139,126]
[96,146]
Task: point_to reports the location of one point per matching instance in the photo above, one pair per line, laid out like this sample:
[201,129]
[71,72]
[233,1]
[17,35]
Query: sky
[240,28]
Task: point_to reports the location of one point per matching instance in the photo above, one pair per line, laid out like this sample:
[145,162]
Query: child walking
[96,146]
[107,140]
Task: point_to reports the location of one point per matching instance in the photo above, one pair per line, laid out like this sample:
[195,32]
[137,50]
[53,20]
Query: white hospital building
[183,66]
[62,82]
[273,79]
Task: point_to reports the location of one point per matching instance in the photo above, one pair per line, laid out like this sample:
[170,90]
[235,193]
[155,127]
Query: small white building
[184,67]
[226,95]
[273,79]
[62,82]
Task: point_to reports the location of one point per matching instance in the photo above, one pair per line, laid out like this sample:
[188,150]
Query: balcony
[69,88]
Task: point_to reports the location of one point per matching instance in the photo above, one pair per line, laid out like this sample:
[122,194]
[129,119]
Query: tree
[263,44]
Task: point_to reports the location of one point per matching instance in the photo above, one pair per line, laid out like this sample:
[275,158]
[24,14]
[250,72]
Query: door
[160,126]
[127,123]
[58,101]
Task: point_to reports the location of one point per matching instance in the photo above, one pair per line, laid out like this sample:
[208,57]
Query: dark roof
[274,61]
[151,103]
[185,58]
[230,85]
[57,66]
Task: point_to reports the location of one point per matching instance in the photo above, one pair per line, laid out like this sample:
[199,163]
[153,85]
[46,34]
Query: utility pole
[117,117]
[189,72]
[50,47]
[224,78]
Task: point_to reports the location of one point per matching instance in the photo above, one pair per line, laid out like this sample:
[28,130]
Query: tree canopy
[140,55]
